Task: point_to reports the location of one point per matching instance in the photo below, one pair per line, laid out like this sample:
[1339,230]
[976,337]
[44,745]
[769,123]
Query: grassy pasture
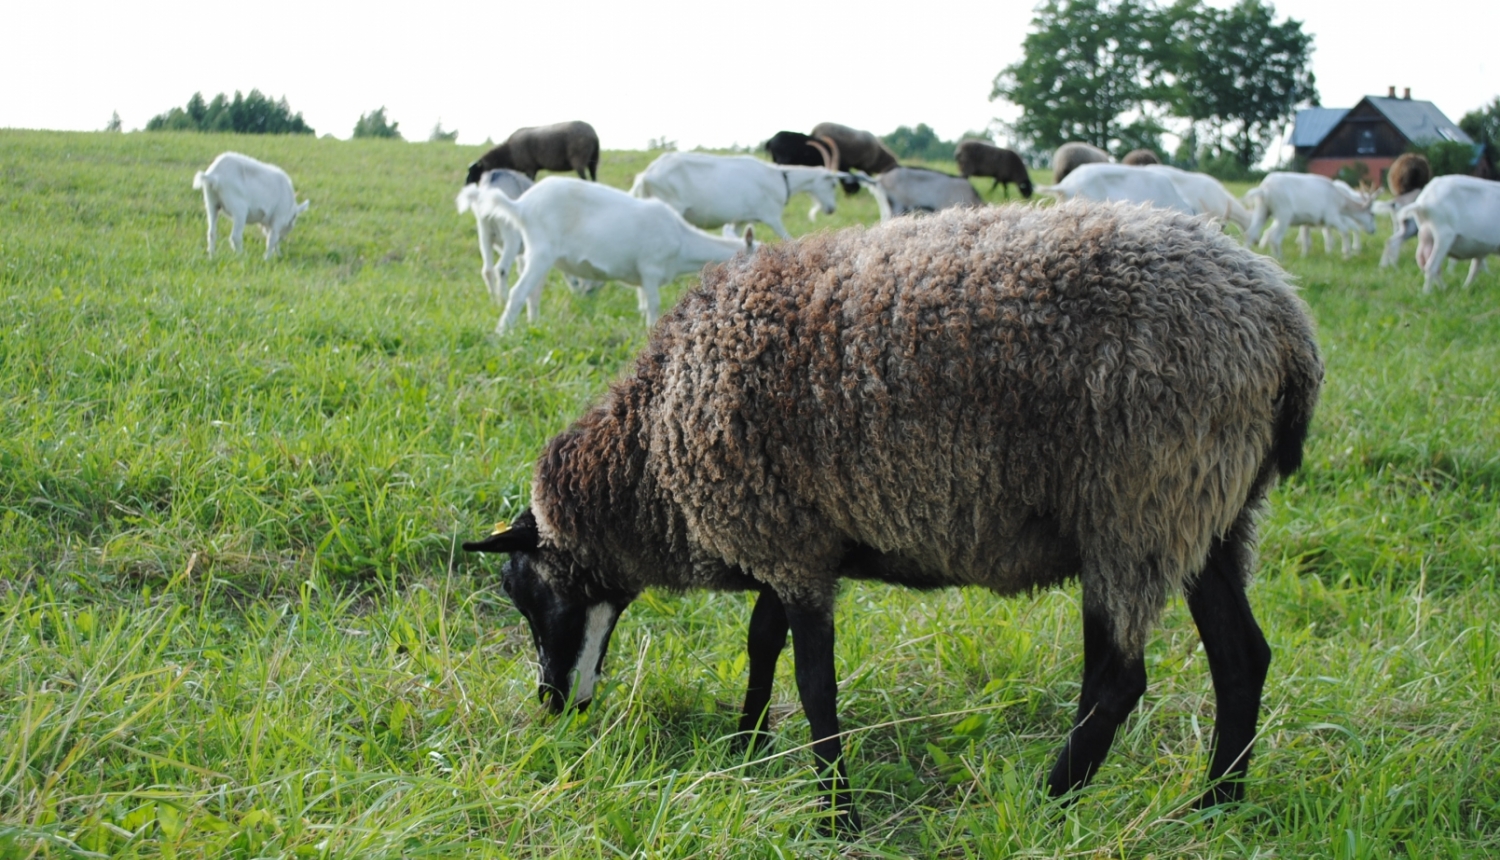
[233,621]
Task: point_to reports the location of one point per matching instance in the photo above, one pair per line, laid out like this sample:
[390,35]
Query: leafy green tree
[252,114]
[439,136]
[1447,157]
[1483,124]
[114,122]
[1086,63]
[374,124]
[1238,72]
[920,142]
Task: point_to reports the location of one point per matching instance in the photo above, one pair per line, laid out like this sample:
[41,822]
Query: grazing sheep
[902,190]
[1140,158]
[795,149]
[977,158]
[1006,397]
[249,192]
[1407,177]
[1070,156]
[563,146]
[857,150]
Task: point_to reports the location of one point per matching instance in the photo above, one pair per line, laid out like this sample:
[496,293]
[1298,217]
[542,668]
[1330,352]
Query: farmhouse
[1375,132]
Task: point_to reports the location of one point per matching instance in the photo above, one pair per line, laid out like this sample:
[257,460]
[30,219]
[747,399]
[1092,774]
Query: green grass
[234,623]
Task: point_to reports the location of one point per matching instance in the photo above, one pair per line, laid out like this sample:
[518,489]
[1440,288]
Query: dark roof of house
[1313,124]
[1419,120]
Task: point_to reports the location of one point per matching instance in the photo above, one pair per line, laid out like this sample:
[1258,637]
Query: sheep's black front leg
[1238,658]
[812,645]
[768,628]
[1113,682]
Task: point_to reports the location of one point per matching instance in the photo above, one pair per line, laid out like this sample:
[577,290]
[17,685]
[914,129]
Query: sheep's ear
[520,536]
[749,238]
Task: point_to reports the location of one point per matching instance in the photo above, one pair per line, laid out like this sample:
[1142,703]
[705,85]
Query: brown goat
[563,146]
[1070,155]
[1138,157]
[977,158]
[858,150]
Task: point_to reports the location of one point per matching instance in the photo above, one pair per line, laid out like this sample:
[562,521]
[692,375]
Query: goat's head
[570,631]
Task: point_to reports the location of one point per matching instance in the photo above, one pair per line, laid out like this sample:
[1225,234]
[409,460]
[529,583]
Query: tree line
[1113,73]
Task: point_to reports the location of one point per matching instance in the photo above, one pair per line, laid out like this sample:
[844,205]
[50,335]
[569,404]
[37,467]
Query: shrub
[374,124]
[920,142]
[1447,156]
[1354,173]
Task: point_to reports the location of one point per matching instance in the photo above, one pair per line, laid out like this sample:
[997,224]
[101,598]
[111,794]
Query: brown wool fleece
[1005,397]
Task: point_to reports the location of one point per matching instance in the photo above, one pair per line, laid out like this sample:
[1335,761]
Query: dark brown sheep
[1070,155]
[1004,397]
[977,158]
[1410,172]
[1139,157]
[563,146]
[858,150]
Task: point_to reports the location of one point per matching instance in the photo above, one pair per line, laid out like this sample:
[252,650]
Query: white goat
[250,192]
[714,190]
[1295,199]
[1122,182]
[1400,230]
[595,231]
[495,233]
[1206,194]
[1459,217]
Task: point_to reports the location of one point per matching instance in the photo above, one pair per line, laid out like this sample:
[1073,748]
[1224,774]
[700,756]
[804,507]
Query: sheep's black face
[476,170]
[570,637]
[1025,187]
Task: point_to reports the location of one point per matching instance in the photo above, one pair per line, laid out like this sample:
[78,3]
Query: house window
[1366,144]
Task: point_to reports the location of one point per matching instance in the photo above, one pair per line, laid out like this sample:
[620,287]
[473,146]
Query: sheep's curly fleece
[1005,397]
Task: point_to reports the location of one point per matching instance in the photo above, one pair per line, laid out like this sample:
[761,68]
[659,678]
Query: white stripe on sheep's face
[571,636]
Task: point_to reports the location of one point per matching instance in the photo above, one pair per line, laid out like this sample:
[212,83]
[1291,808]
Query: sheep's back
[1098,380]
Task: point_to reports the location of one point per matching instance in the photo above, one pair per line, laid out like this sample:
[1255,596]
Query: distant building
[1376,132]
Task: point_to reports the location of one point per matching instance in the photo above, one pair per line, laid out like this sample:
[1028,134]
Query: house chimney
[1406,93]
[1391,94]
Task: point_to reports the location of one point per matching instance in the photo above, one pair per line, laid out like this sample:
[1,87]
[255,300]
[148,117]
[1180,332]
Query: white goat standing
[728,190]
[598,232]
[1459,217]
[1297,199]
[495,233]
[250,192]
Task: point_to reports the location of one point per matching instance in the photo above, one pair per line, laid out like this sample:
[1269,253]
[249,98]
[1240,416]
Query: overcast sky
[699,73]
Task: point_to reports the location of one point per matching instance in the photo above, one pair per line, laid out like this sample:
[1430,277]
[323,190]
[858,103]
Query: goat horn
[833,148]
[823,151]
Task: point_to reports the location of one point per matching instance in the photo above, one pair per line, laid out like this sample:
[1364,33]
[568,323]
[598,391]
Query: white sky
[707,74]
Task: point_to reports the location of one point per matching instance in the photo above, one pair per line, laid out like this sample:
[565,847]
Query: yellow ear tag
[499,527]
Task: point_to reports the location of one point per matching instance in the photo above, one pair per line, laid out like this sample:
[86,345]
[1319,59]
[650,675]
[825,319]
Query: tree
[1086,63]
[1483,124]
[1238,72]
[114,122]
[252,114]
[440,136]
[374,124]
[920,142]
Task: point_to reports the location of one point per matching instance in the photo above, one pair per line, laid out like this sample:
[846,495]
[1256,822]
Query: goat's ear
[520,536]
[302,207]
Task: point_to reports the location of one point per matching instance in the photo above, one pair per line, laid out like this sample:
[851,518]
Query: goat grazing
[495,233]
[1458,217]
[1070,156]
[601,233]
[249,192]
[1096,181]
[719,190]
[562,146]
[977,158]
[1206,195]
[1295,199]
[901,190]
[1001,397]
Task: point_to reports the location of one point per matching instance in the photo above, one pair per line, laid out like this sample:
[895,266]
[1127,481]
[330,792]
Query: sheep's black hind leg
[768,628]
[817,684]
[1238,658]
[1113,682]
